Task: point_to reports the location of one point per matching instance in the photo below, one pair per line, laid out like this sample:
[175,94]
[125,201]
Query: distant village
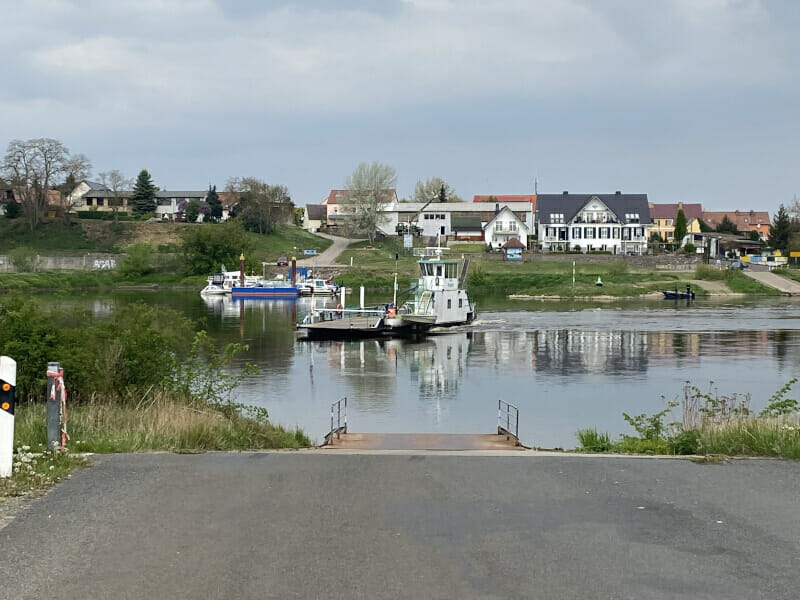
[615,223]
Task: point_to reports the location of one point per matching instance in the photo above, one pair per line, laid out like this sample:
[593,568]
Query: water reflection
[566,370]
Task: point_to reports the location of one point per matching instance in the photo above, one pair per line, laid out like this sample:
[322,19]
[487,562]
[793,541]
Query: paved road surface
[327,258]
[322,525]
[784,284]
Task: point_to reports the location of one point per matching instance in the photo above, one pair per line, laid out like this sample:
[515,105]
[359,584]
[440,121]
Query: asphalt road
[326,525]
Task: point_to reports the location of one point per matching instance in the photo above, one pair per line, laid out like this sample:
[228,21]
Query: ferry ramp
[505,438]
[783,284]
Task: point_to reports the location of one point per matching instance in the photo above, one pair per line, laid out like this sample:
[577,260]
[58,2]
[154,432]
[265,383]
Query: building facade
[617,223]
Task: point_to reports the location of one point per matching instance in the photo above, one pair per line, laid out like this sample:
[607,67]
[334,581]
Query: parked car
[283,262]
[737,264]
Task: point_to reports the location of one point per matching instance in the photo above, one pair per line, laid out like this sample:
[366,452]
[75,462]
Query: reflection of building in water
[438,363]
[566,351]
[365,365]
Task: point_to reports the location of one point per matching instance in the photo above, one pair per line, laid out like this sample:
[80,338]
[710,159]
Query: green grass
[48,237]
[286,240]
[735,280]
[752,437]
[66,280]
[161,424]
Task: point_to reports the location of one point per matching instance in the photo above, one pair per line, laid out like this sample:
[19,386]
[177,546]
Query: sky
[684,100]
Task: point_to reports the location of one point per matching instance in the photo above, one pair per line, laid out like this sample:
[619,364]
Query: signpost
[408,241]
[8,381]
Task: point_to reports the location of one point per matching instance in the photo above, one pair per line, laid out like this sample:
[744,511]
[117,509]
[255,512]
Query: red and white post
[8,382]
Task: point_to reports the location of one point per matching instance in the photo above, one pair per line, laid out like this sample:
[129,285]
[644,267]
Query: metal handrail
[338,420]
[507,419]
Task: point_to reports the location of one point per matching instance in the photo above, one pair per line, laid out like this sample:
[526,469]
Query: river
[566,366]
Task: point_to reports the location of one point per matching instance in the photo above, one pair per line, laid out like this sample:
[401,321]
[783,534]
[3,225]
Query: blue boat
[276,288]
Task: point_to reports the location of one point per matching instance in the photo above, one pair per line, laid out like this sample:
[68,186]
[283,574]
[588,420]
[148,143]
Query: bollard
[342,293]
[8,381]
[56,419]
[361,299]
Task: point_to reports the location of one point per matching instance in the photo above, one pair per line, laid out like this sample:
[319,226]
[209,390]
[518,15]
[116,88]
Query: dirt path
[328,257]
[714,288]
[782,284]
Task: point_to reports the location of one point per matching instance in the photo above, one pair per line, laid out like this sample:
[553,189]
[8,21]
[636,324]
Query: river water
[566,366]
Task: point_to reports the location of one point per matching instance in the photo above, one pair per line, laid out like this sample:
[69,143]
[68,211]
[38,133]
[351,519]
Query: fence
[338,420]
[507,419]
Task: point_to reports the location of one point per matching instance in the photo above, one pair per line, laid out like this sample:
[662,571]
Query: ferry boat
[324,287]
[438,300]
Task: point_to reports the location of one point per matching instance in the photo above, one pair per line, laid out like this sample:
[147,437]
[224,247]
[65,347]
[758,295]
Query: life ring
[339,308]
[392,313]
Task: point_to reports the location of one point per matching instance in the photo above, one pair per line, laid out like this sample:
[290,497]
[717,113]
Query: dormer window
[632,217]
[556,217]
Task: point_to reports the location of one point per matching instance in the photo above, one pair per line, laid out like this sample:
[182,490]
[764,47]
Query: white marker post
[8,381]
[361,299]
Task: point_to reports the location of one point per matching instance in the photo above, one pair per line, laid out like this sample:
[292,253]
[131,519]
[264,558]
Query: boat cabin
[437,275]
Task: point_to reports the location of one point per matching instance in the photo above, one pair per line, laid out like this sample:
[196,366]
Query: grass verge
[164,423]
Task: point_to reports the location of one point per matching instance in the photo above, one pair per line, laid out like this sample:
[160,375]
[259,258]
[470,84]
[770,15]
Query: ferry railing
[507,419]
[338,420]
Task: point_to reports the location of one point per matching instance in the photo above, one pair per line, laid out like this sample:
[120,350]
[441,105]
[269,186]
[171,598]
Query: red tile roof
[507,198]
[339,196]
[670,211]
[753,220]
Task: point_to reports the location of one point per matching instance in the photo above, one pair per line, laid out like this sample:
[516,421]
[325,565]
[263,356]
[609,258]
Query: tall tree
[33,167]
[116,184]
[214,204]
[205,249]
[260,206]
[143,199]
[680,227]
[781,230]
[76,168]
[425,190]
[727,226]
[367,190]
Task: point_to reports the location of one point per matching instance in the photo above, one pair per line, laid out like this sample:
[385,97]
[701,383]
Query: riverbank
[162,423]
[711,425]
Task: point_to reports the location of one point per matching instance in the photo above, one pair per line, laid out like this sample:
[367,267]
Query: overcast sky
[692,100]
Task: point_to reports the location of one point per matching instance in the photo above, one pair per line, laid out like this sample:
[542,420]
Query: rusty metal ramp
[423,441]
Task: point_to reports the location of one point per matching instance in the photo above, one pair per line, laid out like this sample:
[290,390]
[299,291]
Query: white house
[504,226]
[75,198]
[445,219]
[616,223]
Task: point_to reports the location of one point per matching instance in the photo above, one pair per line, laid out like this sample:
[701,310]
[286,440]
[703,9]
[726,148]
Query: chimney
[680,205]
[618,193]
[496,208]
[565,192]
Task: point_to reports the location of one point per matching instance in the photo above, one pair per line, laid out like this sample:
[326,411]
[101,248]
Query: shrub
[13,210]
[137,262]
[593,441]
[689,249]
[24,259]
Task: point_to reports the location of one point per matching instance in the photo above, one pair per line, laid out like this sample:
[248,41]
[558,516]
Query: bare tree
[260,205]
[77,168]
[33,167]
[116,184]
[425,190]
[368,189]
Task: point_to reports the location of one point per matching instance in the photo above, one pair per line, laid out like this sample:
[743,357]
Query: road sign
[310,252]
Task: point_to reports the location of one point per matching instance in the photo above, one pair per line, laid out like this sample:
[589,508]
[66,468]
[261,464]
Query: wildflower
[52,467]
[26,448]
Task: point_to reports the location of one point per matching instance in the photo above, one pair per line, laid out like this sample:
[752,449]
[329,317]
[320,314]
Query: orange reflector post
[5,406]
[6,387]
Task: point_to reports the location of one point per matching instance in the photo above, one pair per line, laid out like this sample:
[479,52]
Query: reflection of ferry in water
[437,300]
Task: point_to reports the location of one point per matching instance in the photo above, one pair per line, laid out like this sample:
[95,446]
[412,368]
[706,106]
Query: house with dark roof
[314,215]
[664,217]
[75,198]
[615,222]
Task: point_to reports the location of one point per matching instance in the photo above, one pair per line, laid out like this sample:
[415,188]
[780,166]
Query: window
[589,233]
[605,233]
[556,217]
[449,303]
[100,202]
[626,233]
[88,202]
[615,232]
[460,303]
[632,217]
[576,233]
[669,222]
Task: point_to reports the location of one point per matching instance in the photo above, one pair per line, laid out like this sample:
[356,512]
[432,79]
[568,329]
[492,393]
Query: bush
[13,210]
[593,441]
[208,246]
[137,262]
[689,249]
[24,259]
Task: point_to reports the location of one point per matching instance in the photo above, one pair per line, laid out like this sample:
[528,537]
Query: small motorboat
[676,295]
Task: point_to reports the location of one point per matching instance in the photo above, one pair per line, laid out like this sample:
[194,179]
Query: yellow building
[664,217]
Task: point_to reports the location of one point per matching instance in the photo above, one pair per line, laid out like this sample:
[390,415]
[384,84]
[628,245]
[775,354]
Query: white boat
[224,281]
[438,299]
[324,287]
